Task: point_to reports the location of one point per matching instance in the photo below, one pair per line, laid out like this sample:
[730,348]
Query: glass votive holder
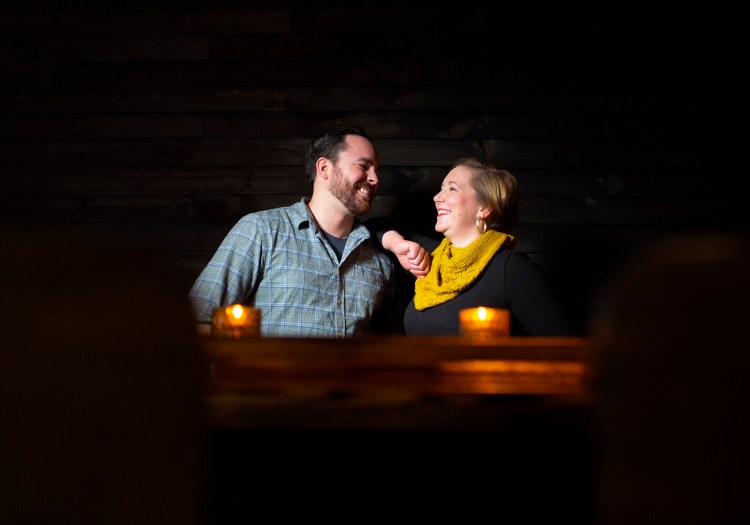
[484,322]
[235,321]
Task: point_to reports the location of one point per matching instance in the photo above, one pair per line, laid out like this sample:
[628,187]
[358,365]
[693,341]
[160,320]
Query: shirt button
[338,302]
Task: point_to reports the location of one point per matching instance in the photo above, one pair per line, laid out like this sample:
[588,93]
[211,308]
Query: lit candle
[236,321]
[483,321]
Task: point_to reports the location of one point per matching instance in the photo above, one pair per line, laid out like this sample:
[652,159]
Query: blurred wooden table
[377,382]
[415,429]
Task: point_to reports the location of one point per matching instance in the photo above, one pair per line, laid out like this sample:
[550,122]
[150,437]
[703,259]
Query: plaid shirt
[278,261]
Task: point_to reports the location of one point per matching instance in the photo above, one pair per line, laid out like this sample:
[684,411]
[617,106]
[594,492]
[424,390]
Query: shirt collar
[302,217]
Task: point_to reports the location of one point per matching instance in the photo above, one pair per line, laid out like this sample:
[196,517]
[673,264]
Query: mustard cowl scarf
[454,269]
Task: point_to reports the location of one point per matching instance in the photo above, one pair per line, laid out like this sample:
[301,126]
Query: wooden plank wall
[156,124]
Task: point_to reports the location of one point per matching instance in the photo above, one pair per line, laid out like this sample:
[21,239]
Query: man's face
[354,181]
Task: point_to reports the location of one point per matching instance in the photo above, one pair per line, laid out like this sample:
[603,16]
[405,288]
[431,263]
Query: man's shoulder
[292,214]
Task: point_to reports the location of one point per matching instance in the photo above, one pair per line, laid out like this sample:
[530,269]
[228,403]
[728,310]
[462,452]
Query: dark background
[153,125]
[148,127]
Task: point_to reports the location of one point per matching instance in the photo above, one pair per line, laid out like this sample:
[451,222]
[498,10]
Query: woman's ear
[483,212]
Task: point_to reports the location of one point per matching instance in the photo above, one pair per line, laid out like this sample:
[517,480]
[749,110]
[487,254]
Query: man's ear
[323,167]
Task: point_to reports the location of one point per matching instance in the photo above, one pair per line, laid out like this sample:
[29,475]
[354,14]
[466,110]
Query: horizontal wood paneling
[666,211]
[156,124]
[395,124]
[394,180]
[92,20]
[182,237]
[437,99]
[393,152]
[322,72]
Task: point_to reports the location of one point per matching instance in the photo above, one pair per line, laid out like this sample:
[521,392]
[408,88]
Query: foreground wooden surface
[390,382]
[403,429]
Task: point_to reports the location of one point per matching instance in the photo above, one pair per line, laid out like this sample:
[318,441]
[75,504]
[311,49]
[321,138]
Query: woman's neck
[462,241]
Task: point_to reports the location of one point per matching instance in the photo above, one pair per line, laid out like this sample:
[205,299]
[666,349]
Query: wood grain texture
[158,123]
[248,377]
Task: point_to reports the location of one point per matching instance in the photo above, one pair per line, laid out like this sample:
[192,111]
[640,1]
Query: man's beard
[348,194]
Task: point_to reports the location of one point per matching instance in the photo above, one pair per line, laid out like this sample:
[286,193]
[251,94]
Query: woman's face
[457,208]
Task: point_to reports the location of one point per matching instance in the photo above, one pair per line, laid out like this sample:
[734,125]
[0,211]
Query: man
[312,268]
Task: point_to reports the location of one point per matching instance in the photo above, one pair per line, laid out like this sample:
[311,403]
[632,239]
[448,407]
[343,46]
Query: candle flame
[484,321]
[237,311]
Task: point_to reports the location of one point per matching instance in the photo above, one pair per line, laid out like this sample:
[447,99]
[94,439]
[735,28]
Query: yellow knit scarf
[454,269]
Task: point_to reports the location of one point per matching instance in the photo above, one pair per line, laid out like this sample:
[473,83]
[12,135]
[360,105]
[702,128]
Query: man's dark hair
[329,145]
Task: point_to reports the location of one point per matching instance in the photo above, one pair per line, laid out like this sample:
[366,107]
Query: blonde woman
[476,264]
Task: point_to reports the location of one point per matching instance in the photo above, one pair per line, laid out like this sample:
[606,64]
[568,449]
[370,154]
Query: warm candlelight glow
[481,313]
[482,321]
[236,321]
[237,315]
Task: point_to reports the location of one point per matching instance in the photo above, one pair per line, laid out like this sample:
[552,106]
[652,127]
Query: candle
[236,321]
[484,322]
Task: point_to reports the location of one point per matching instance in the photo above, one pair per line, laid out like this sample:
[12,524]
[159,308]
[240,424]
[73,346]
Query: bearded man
[312,268]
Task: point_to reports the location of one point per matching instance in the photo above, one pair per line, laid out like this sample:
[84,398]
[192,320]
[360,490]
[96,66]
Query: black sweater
[511,280]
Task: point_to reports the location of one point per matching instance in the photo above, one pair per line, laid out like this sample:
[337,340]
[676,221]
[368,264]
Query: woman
[475,264]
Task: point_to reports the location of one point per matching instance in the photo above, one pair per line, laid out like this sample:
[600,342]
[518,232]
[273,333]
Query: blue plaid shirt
[278,261]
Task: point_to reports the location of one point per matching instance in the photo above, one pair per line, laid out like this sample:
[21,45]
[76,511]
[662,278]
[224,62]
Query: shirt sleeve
[232,273]
[532,301]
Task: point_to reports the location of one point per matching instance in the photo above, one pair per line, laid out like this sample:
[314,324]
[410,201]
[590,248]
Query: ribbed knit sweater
[511,280]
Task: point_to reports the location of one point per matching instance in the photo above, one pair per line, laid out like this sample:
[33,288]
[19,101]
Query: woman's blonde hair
[495,188]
